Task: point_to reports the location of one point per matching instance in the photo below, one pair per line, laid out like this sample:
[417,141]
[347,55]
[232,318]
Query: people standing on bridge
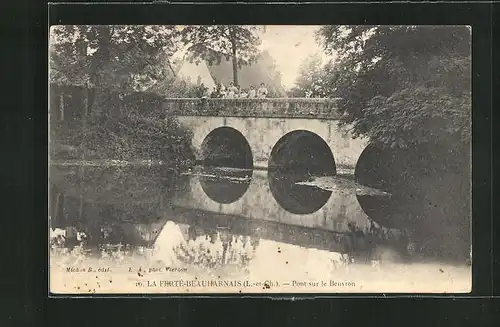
[231,90]
[243,94]
[262,91]
[214,93]
[252,94]
[237,93]
[202,91]
[223,91]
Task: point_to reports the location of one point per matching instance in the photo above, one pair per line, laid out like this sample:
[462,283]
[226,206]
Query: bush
[134,131]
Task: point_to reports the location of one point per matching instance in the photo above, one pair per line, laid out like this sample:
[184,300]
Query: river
[141,228]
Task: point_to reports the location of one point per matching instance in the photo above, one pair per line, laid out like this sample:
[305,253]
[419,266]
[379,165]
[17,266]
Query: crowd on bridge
[233,91]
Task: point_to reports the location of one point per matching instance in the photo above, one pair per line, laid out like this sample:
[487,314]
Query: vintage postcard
[259,159]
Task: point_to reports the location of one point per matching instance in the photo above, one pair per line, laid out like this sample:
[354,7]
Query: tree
[402,85]
[310,82]
[214,42]
[111,58]
[408,89]
[111,63]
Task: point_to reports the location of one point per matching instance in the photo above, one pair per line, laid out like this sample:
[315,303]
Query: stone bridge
[260,133]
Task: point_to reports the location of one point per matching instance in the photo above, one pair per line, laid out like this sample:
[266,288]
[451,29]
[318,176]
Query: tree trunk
[171,68]
[80,209]
[235,69]
[99,60]
[235,59]
[102,101]
[84,124]
[85,103]
[61,106]
[55,220]
[63,211]
[96,109]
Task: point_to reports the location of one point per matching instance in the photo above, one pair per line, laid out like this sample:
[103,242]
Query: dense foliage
[107,56]
[214,42]
[313,73]
[110,64]
[402,85]
[408,90]
[137,132]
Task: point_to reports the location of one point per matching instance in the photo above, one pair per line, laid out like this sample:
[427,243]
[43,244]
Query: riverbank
[106,163]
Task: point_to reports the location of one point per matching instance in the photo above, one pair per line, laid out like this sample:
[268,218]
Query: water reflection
[224,185]
[149,211]
[104,206]
[214,250]
[297,157]
[296,198]
[216,223]
[383,169]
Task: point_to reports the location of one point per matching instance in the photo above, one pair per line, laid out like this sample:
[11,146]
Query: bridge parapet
[313,108]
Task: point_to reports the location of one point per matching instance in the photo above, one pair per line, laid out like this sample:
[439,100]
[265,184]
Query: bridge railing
[270,107]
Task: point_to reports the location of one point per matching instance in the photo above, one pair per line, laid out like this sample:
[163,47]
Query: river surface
[142,229]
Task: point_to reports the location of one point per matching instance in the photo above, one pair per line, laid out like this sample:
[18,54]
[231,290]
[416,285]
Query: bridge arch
[305,151]
[294,158]
[226,146]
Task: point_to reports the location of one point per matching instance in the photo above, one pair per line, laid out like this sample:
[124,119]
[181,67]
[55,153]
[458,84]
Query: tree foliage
[212,43]
[137,132]
[313,73]
[402,85]
[111,58]
[409,88]
[111,63]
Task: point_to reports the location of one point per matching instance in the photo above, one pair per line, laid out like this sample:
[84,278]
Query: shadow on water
[100,201]
[385,170]
[430,197]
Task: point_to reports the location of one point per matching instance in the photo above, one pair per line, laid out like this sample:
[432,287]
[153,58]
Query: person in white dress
[223,91]
[231,90]
[262,91]
[252,94]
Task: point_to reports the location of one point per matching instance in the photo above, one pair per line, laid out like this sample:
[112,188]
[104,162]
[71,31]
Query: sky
[289,46]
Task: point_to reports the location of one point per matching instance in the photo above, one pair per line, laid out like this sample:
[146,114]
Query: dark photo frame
[476,15]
